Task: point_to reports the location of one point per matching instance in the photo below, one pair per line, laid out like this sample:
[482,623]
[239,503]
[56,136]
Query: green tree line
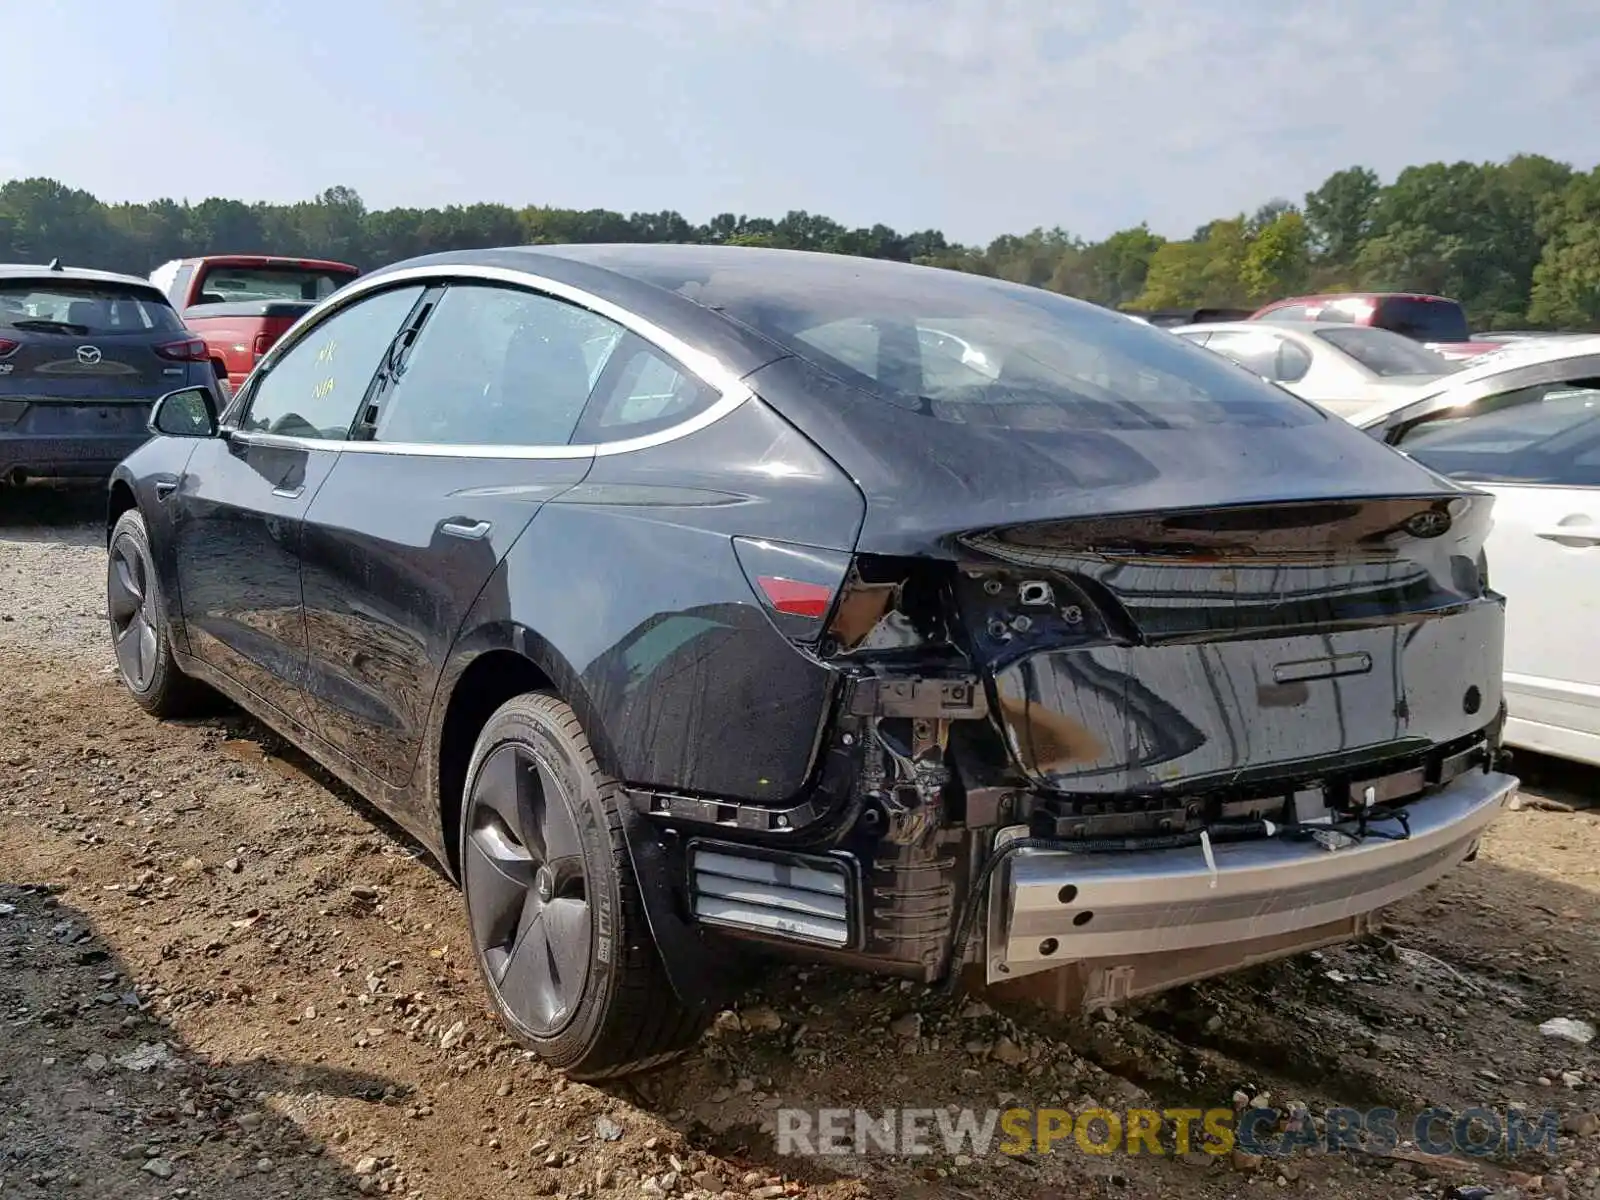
[1517,242]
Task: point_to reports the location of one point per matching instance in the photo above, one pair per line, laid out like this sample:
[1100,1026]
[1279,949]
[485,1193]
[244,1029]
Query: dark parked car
[83,356]
[689,599]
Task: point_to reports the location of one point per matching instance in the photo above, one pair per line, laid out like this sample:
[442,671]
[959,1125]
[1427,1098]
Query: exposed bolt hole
[993,586]
[1068,894]
[997,629]
[1072,614]
[1083,918]
[1048,947]
[1036,592]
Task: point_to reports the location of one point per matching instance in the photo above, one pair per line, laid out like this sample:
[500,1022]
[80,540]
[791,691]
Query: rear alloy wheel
[139,632]
[558,930]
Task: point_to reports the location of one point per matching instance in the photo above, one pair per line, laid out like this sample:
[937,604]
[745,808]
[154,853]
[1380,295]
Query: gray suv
[83,356]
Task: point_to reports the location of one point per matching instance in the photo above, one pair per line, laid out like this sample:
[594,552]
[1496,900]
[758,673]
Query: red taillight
[188,350]
[796,598]
[8,347]
[263,343]
[796,584]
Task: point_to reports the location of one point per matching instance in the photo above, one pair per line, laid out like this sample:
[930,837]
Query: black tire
[141,639]
[590,994]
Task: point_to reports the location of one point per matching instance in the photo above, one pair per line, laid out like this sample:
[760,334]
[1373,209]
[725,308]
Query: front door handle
[471,530]
[289,493]
[1575,531]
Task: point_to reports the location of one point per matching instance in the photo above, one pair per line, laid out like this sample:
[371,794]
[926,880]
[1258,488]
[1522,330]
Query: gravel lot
[223,976]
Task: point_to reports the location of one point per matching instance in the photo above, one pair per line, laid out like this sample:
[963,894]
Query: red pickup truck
[240,304]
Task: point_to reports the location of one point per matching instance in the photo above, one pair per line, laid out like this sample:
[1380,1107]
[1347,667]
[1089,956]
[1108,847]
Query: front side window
[1545,434]
[497,366]
[314,390]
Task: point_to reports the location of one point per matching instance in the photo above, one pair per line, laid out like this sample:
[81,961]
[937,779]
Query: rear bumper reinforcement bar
[1050,908]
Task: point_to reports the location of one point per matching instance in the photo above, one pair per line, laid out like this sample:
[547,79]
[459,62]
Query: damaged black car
[696,603]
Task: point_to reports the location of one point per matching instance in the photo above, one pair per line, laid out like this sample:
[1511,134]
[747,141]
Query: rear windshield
[1385,353]
[80,309]
[972,350]
[238,284]
[1425,320]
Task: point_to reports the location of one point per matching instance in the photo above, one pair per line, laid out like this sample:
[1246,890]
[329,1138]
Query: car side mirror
[188,412]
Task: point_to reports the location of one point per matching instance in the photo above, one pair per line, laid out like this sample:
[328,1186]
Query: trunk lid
[1223,646]
[102,367]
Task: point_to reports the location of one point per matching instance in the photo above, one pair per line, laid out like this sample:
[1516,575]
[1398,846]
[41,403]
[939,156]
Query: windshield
[1387,354]
[83,308]
[236,284]
[1424,320]
[973,350]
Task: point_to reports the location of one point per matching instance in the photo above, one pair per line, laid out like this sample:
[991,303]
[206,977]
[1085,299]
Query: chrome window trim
[706,367]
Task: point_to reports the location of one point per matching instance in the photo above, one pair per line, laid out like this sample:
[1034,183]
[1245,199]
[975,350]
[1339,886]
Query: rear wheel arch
[487,682]
[492,667]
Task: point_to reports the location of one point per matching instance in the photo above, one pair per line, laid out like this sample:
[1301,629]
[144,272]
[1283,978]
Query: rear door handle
[1575,530]
[1570,535]
[289,493]
[471,530]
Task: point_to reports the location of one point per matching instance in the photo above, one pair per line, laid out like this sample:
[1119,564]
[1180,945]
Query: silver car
[1342,368]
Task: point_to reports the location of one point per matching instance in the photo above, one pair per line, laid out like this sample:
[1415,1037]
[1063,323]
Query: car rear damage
[1127,750]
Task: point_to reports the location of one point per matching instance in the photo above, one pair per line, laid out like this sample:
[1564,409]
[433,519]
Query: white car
[1342,368]
[1524,424]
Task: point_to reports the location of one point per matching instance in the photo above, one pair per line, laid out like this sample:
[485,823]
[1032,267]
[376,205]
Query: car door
[1537,448]
[466,437]
[237,509]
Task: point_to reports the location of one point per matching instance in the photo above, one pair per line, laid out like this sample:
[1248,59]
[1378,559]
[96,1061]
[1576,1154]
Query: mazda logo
[88,355]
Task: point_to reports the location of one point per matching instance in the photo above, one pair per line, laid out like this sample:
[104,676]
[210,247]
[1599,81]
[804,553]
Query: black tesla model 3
[689,601]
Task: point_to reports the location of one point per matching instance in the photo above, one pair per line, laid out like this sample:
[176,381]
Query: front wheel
[558,927]
[140,636]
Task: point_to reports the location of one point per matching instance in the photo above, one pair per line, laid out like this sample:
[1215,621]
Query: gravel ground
[222,975]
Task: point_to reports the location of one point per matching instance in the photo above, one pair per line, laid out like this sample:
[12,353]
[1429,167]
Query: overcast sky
[977,117]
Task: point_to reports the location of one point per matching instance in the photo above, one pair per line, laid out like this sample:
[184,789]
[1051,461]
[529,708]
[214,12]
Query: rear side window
[1266,354]
[1257,351]
[1293,363]
[1385,353]
[1546,434]
[640,392]
[84,309]
[1424,320]
[498,366]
